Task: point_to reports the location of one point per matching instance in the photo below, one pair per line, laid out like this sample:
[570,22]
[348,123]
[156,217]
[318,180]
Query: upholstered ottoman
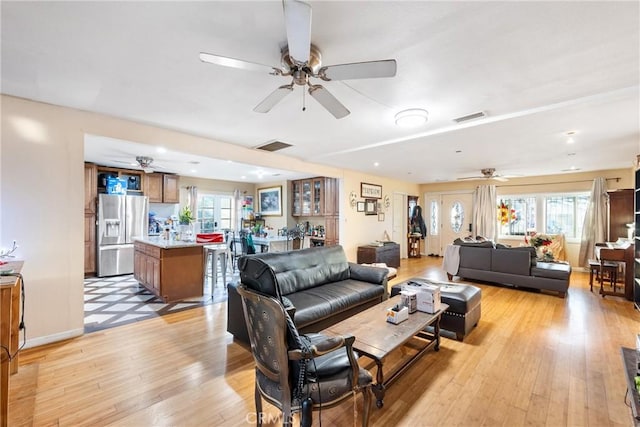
[463,313]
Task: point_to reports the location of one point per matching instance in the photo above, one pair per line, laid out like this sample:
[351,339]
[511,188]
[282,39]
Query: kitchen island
[173,270]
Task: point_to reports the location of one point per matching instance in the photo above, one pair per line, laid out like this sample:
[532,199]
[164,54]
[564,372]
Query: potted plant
[186,218]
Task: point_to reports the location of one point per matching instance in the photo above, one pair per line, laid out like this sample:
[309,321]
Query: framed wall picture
[360,206]
[381,216]
[370,207]
[370,191]
[270,201]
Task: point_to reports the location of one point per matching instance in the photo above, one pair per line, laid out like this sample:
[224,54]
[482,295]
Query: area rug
[120,300]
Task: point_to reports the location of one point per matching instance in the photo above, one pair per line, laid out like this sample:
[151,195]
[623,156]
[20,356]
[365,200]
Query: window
[214,212]
[544,213]
[521,216]
[457,217]
[565,214]
[433,223]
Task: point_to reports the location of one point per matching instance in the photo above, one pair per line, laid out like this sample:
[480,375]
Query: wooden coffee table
[376,338]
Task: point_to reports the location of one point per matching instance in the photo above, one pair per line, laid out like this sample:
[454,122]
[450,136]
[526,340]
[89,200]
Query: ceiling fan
[302,60]
[487,173]
[143,162]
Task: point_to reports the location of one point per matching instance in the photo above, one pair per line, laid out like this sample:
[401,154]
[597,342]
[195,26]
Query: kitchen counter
[167,244]
[171,269]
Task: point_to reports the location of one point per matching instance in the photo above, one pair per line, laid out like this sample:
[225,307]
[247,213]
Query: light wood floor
[534,359]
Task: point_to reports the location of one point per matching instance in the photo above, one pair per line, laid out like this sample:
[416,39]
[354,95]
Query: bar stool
[218,256]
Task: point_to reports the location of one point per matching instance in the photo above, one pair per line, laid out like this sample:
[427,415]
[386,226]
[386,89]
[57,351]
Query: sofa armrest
[367,273]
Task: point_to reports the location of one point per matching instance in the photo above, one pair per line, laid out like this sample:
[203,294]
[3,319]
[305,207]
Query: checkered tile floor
[119,300]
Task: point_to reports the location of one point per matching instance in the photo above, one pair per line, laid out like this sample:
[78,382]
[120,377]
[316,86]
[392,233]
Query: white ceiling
[538,69]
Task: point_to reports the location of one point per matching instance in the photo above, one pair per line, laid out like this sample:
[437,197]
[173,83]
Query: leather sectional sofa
[317,284]
[512,266]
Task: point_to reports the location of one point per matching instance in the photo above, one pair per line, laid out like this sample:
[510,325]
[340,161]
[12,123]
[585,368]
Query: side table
[389,253]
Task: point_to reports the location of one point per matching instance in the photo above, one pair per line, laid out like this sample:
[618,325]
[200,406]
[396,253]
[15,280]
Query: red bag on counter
[210,238]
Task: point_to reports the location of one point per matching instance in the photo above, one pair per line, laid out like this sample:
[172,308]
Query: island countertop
[169,243]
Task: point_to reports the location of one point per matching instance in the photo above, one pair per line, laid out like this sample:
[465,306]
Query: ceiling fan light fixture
[144,161]
[412,117]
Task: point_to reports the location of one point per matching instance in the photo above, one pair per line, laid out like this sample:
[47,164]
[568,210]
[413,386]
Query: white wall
[42,200]
[358,229]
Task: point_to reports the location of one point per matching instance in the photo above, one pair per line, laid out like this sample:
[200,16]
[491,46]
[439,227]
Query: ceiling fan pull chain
[304,100]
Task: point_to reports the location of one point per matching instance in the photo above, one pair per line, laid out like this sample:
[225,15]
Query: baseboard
[36,342]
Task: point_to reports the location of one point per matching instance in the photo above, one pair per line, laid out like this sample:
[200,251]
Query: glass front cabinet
[308,197]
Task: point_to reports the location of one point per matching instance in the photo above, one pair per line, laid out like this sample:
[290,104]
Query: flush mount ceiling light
[412,117]
[570,139]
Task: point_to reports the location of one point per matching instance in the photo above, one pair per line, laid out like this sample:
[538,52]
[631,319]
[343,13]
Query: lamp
[412,117]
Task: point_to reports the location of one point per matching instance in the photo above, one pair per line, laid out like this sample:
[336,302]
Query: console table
[9,331]
[630,363]
[388,253]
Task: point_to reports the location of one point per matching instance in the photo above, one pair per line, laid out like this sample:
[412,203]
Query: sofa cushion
[320,302]
[302,269]
[532,253]
[511,262]
[476,244]
[552,270]
[475,258]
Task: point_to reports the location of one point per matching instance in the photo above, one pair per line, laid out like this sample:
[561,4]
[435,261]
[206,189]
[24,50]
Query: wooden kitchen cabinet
[162,188]
[90,195]
[89,244]
[318,197]
[153,187]
[170,189]
[313,197]
[134,179]
[90,188]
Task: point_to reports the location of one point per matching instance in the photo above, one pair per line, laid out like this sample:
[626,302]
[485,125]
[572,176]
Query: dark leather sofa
[512,266]
[317,284]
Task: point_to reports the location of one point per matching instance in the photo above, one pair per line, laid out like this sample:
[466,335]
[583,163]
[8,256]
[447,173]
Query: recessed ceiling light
[193,171]
[412,117]
[376,164]
[243,177]
[161,150]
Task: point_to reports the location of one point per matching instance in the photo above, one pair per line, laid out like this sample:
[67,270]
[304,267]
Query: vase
[186,232]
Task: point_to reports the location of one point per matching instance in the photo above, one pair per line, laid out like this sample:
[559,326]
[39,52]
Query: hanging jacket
[417,222]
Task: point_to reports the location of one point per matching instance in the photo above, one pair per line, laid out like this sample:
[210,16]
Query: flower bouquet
[506,214]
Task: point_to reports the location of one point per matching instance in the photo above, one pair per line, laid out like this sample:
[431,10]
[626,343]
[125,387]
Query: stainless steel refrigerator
[120,218]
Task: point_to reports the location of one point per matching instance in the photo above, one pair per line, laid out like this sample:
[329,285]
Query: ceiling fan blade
[500,178]
[274,97]
[471,177]
[359,70]
[225,61]
[297,18]
[328,101]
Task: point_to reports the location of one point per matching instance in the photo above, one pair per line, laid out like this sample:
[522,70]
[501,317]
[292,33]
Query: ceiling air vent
[473,116]
[273,146]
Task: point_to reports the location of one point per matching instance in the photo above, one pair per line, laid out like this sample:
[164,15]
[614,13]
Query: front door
[455,218]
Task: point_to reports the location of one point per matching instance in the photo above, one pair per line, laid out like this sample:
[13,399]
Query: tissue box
[427,296]
[396,317]
[408,299]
